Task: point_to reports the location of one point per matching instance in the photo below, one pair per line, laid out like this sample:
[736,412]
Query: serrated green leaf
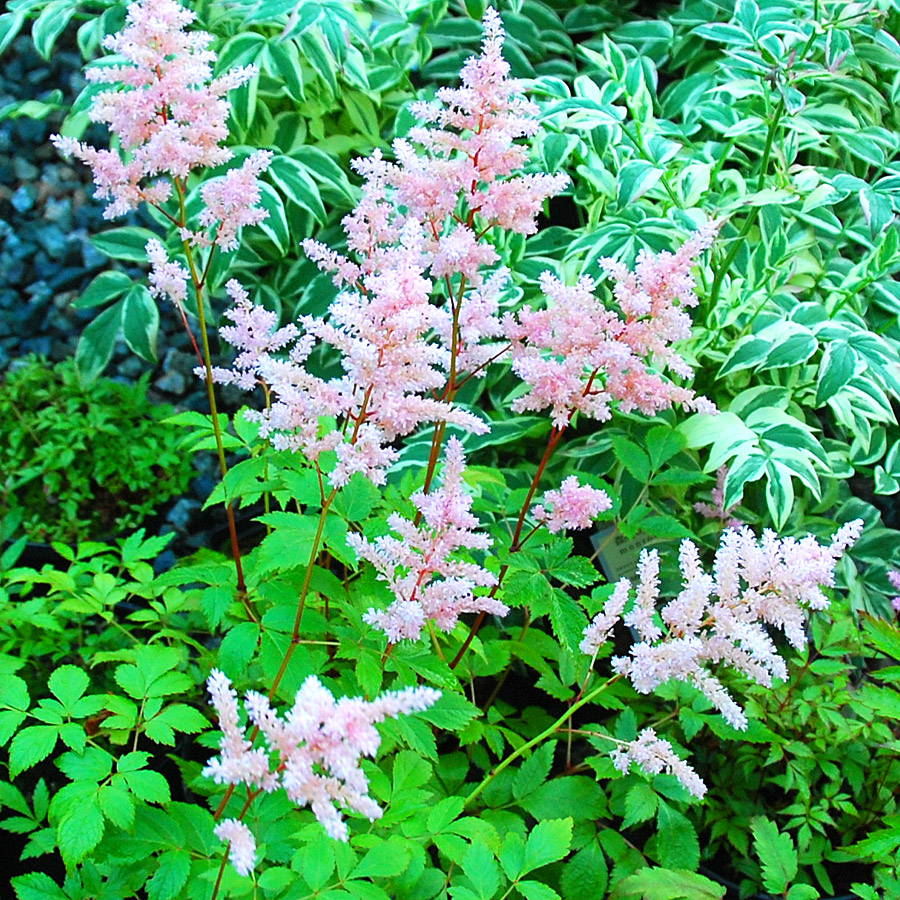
[384,860]
[534,771]
[117,805]
[148,786]
[79,831]
[482,870]
[37,886]
[585,874]
[92,765]
[67,684]
[666,884]
[549,841]
[443,813]
[536,890]
[170,875]
[318,863]
[777,855]
[30,746]
[640,804]
[568,620]
[677,844]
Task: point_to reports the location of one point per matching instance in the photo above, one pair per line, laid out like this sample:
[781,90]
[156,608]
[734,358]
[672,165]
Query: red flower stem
[516,545]
[217,429]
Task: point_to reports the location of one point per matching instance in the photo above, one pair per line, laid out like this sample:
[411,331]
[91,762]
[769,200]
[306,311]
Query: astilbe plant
[416,318]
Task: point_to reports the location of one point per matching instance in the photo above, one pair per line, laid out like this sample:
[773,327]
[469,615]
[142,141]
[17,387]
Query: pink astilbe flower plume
[723,616]
[716,509]
[170,115]
[573,506]
[654,755]
[720,617]
[427,579]
[242,851]
[579,356]
[313,752]
[417,235]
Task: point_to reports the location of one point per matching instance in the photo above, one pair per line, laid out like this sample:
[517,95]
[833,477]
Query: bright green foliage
[79,459]
[779,120]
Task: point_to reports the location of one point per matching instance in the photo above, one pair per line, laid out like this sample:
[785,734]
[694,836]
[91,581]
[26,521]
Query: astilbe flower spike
[654,755]
[426,579]
[168,111]
[313,752]
[170,117]
[579,356]
[723,616]
[573,506]
[716,509]
[421,219]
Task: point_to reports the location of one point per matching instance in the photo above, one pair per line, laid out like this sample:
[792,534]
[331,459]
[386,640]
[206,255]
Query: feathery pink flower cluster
[722,617]
[716,509]
[318,745]
[419,219]
[242,850]
[254,331]
[894,578]
[579,356]
[167,279]
[573,506]
[389,364]
[654,755]
[455,180]
[168,111]
[428,584]
[170,116]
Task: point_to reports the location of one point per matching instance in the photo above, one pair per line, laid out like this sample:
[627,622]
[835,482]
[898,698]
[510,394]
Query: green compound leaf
[30,746]
[67,684]
[549,841]
[171,875]
[776,853]
[666,884]
[37,886]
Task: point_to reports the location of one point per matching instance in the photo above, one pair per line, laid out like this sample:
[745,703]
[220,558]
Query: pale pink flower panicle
[168,112]
[242,850]
[722,617]
[654,755]
[168,280]
[313,752]
[577,355]
[254,332]
[573,506]
[716,509]
[421,565]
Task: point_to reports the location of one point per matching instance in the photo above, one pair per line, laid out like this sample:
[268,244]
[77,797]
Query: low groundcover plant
[414,588]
